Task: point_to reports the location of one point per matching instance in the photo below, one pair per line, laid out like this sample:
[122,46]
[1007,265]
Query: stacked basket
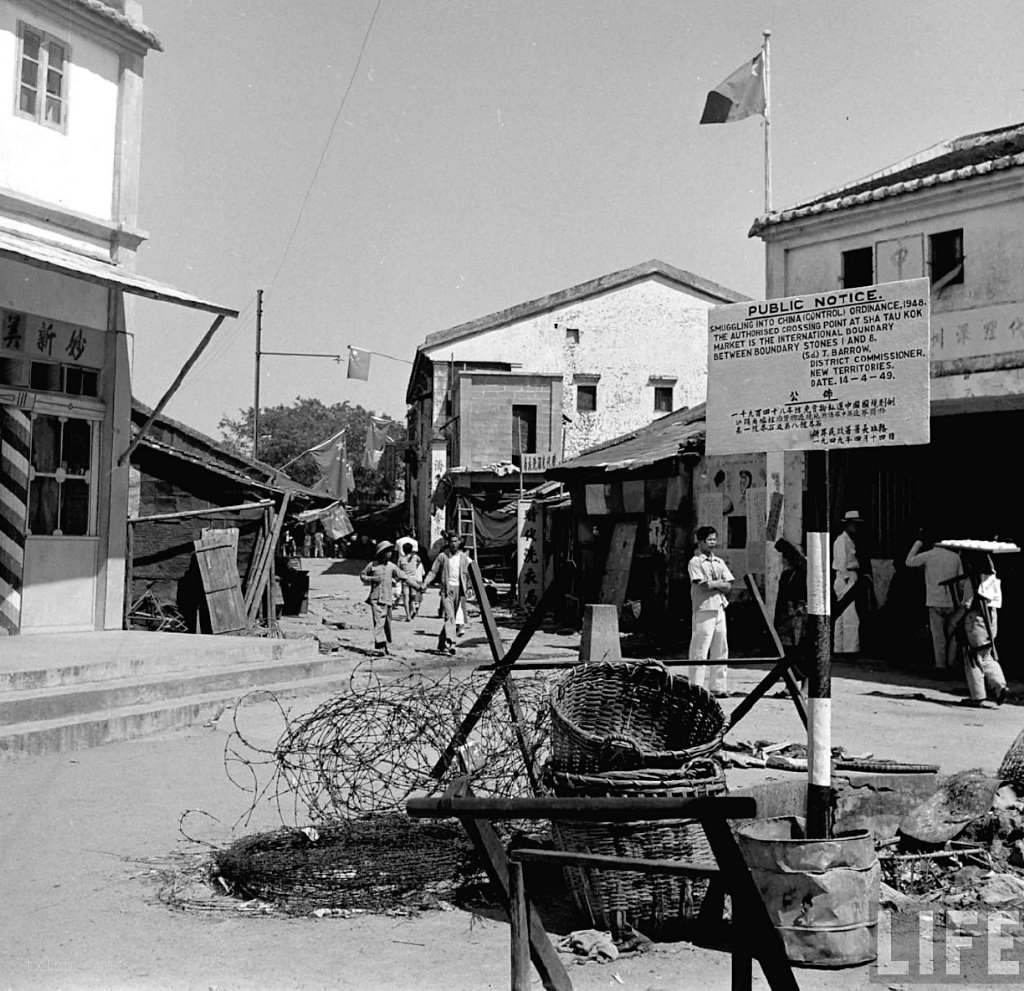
[624,731]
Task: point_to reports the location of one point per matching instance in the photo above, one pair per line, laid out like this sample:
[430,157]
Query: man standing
[940,565]
[452,565]
[710,580]
[845,564]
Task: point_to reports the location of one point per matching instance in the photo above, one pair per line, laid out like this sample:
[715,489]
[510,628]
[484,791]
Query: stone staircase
[69,691]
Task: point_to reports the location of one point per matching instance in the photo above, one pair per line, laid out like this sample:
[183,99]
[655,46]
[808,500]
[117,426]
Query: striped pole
[819,682]
[15,435]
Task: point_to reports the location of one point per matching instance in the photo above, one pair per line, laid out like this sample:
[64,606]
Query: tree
[287,431]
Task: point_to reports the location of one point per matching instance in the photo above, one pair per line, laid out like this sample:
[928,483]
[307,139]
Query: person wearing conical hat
[848,571]
[381,574]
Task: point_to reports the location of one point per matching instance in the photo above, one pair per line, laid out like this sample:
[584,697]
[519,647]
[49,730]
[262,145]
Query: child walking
[380,575]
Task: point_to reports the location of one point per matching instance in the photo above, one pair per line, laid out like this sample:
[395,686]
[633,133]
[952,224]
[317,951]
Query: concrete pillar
[600,640]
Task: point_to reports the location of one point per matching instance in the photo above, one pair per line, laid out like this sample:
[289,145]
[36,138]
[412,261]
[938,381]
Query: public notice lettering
[837,369]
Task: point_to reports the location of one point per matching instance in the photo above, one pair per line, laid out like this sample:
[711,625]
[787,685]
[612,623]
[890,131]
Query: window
[572,335]
[60,476]
[524,429]
[663,399]
[42,80]
[858,267]
[947,258]
[586,398]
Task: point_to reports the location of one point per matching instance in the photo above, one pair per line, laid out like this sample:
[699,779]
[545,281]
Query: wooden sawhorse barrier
[754,936]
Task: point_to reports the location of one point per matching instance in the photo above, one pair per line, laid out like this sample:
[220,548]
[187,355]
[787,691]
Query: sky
[492,151]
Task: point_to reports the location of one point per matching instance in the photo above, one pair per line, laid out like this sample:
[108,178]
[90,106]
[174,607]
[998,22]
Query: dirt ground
[88,838]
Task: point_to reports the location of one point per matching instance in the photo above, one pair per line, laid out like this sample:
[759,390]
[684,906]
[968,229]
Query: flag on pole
[358,364]
[376,438]
[332,460]
[740,95]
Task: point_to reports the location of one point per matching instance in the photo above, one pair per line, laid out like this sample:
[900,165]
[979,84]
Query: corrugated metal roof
[662,440]
[950,161]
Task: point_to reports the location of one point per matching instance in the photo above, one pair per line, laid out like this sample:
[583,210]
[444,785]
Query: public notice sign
[838,369]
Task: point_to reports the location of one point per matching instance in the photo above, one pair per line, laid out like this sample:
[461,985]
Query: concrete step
[51,736]
[70,701]
[52,661]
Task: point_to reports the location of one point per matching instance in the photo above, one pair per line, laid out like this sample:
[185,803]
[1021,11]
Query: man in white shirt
[940,565]
[846,631]
[710,580]
[452,567]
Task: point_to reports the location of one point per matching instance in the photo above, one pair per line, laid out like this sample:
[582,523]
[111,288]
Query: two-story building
[539,382]
[955,213]
[70,129]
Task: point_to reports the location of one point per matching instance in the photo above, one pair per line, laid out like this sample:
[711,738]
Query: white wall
[627,335]
[74,170]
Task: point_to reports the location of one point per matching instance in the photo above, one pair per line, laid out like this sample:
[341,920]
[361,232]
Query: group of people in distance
[384,573]
[963,596]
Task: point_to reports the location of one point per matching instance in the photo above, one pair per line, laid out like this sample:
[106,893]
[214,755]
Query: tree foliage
[287,431]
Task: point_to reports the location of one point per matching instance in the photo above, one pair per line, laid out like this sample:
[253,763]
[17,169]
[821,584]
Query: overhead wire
[209,360]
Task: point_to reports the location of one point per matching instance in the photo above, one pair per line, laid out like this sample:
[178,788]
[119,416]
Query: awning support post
[168,395]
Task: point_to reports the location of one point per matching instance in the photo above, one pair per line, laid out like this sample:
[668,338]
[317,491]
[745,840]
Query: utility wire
[327,144]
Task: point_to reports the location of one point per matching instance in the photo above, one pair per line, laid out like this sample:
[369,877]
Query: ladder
[466,526]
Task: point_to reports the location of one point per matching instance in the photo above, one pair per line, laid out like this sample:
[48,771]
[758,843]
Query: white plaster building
[70,130]
[555,375]
[955,213]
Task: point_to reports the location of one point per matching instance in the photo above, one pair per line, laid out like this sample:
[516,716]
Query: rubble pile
[962,847]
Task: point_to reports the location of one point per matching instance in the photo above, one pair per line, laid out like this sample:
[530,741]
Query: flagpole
[767,130]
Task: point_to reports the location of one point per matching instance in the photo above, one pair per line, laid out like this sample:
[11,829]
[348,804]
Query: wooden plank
[220,534]
[494,640]
[222,586]
[520,927]
[758,935]
[584,809]
[212,511]
[129,577]
[501,673]
[254,594]
[562,858]
[618,565]
[255,556]
[545,957]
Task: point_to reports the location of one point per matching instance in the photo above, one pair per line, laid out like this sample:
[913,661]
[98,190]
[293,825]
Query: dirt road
[86,837]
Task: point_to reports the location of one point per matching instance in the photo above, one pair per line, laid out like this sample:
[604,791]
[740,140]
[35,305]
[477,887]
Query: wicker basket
[610,717]
[654,903]
[1012,767]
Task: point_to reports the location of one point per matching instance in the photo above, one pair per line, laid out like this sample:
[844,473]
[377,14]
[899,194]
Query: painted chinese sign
[530,553]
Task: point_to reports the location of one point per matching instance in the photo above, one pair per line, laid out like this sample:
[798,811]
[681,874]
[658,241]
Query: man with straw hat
[381,574]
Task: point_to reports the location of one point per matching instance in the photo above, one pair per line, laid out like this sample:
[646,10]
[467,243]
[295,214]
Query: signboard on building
[839,369]
[535,462]
[530,553]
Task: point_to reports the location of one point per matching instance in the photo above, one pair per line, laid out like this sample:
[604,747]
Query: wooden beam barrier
[583,809]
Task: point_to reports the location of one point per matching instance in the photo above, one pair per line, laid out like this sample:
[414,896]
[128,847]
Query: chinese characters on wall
[530,553]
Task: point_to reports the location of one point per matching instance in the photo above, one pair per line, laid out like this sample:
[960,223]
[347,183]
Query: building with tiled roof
[953,213]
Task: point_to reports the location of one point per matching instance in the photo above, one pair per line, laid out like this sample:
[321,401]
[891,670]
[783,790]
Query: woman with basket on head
[978,612]
[381,574]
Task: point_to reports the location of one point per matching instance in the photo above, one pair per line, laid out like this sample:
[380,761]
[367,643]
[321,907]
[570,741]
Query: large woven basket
[653,903]
[1012,767]
[609,717]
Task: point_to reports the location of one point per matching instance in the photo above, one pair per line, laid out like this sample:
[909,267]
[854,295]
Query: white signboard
[839,369]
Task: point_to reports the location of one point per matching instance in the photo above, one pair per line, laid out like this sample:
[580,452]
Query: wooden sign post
[837,369]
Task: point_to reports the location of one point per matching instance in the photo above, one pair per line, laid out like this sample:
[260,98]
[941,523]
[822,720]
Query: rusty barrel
[822,895]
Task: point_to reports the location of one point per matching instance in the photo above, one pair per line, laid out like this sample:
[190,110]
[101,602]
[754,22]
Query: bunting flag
[740,95]
[358,364]
[332,460]
[376,438]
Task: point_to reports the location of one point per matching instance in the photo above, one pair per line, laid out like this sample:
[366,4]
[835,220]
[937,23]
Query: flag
[358,364]
[376,438]
[332,460]
[739,96]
